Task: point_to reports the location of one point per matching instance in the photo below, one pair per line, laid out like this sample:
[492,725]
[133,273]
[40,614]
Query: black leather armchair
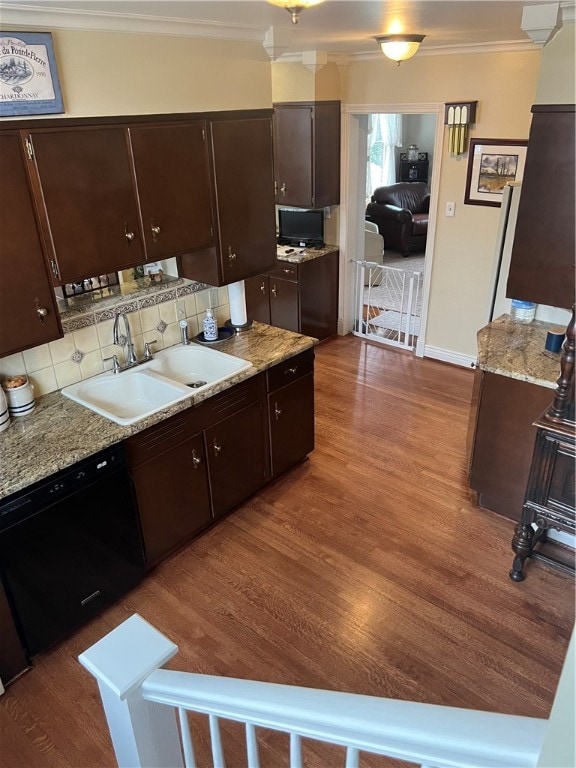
[401,213]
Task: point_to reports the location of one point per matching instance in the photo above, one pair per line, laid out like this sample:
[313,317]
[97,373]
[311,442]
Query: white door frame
[351,235]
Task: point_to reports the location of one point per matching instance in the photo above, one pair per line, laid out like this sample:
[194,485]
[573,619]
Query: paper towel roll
[237,298]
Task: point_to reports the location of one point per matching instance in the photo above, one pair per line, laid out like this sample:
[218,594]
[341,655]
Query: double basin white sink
[173,374]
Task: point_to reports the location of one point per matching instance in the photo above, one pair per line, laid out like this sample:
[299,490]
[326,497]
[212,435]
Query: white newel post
[144,734]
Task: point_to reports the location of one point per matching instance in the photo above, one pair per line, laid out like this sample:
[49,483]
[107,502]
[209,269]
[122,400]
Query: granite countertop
[301,255]
[517,350]
[60,432]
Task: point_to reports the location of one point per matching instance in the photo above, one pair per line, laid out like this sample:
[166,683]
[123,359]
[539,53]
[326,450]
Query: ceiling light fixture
[295,7]
[399,47]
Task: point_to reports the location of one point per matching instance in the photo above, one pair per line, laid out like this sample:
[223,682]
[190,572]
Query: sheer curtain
[384,133]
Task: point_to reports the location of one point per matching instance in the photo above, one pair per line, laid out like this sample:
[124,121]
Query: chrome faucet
[125,339]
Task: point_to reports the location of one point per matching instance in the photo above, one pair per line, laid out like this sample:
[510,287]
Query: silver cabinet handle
[128,234]
[196,460]
[155,229]
[42,312]
[291,371]
[263,287]
[274,291]
[277,411]
[283,188]
[216,448]
[231,254]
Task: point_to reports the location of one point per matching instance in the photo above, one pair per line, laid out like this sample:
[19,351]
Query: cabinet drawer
[290,370]
[160,438]
[285,271]
[230,401]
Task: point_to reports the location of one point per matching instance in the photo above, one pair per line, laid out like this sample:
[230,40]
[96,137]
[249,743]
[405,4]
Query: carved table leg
[522,545]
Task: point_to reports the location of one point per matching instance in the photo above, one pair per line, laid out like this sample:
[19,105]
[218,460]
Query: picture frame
[493,163]
[29,83]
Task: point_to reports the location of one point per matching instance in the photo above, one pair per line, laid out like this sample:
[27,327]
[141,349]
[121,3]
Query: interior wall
[419,130]
[504,85]
[111,73]
[292,82]
[556,82]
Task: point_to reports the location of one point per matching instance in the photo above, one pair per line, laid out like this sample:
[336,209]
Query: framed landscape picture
[493,163]
[29,82]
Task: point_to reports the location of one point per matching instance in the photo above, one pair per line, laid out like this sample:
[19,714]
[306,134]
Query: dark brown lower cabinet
[297,297]
[193,468]
[503,440]
[168,467]
[198,465]
[291,411]
[237,457]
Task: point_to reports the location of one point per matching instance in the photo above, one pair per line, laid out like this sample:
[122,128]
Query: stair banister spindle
[295,751]
[252,746]
[216,739]
[187,742]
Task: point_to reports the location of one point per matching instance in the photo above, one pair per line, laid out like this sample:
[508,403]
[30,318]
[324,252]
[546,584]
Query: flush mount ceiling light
[399,47]
[294,7]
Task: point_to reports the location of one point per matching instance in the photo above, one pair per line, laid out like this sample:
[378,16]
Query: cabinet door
[293,158]
[173,178]
[257,298]
[173,497]
[28,314]
[84,186]
[284,304]
[245,197]
[542,262]
[237,457]
[291,420]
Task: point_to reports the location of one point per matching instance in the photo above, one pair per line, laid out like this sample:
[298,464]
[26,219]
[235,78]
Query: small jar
[522,311]
[412,152]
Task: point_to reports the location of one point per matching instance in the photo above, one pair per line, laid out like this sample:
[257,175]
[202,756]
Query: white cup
[4,415]
[20,399]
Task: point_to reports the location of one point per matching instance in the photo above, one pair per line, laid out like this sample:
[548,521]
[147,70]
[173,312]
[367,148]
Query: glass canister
[413,152]
[522,311]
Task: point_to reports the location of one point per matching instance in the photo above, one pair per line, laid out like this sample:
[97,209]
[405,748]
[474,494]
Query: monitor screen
[297,227]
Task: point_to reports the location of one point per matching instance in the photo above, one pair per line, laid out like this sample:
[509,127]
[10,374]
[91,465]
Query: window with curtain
[384,134]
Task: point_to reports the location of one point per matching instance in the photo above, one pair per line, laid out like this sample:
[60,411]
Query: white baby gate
[146,709]
[388,304]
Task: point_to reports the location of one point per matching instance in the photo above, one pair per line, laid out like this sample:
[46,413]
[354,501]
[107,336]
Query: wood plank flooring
[367,568]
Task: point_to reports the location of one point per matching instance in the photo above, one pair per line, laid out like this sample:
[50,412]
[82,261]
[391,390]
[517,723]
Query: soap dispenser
[210,327]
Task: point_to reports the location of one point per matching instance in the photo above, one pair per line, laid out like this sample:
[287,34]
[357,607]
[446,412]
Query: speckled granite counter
[60,432]
[304,254]
[517,350]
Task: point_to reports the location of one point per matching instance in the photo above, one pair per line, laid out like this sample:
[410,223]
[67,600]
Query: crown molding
[568,10]
[14,15]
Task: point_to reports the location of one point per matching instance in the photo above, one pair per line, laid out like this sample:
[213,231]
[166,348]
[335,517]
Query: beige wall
[504,85]
[557,73]
[109,73]
[295,82]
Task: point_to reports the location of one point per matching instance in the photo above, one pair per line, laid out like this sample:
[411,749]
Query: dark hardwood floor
[367,568]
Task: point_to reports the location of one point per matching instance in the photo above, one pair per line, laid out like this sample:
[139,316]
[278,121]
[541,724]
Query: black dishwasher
[69,546]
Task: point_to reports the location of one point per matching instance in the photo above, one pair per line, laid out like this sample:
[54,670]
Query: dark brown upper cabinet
[542,262]
[307,153]
[28,314]
[84,189]
[245,237]
[174,190]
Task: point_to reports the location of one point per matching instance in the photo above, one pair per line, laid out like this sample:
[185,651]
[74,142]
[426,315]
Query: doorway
[355,148]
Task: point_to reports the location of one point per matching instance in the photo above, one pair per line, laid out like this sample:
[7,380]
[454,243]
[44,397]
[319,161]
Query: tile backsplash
[88,334]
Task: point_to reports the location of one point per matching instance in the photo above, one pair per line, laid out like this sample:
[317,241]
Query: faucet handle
[115,363]
[147,351]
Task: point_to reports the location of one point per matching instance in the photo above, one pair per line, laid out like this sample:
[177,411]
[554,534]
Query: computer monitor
[299,227]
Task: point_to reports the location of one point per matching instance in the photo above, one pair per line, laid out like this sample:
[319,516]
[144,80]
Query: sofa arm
[385,211]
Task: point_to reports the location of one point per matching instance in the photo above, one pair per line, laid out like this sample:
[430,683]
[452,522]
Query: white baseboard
[446,356]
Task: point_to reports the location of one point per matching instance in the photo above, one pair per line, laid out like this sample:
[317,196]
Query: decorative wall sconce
[295,7]
[458,115]
[399,47]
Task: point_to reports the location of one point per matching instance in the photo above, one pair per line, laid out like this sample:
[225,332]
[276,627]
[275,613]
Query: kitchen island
[514,384]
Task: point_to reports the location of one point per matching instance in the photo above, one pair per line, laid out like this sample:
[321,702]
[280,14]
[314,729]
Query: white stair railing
[146,709]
